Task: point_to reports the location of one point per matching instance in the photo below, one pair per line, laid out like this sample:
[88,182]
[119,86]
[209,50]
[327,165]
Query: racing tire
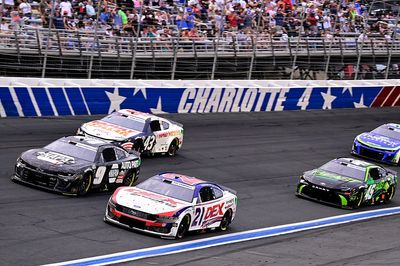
[183,227]
[130,179]
[85,184]
[390,194]
[226,220]
[138,146]
[359,200]
[173,148]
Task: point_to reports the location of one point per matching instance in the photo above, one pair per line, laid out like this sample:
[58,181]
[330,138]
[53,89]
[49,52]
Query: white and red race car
[169,205]
[134,130]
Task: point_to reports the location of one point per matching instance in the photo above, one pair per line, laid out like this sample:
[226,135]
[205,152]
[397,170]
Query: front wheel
[183,227]
[84,185]
[359,200]
[226,220]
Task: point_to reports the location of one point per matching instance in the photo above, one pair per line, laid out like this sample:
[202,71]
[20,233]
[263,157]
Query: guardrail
[57,97]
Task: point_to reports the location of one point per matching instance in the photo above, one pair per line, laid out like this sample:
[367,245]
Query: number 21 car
[134,130]
[74,165]
[348,183]
[169,205]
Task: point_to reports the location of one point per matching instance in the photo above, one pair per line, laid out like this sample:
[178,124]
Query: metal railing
[98,47]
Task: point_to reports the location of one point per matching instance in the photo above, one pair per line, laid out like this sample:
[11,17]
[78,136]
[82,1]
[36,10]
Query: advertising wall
[50,97]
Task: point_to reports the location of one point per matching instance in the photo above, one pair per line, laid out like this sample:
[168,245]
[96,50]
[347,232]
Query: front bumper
[379,155]
[324,195]
[46,181]
[165,230]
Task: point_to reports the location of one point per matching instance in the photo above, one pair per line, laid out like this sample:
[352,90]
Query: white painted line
[16,102]
[53,107]
[68,102]
[34,102]
[84,101]
[229,238]
[2,111]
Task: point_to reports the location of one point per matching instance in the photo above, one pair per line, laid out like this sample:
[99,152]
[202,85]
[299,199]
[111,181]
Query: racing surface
[261,155]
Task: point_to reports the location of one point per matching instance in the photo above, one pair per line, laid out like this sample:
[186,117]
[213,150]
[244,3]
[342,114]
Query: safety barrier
[50,97]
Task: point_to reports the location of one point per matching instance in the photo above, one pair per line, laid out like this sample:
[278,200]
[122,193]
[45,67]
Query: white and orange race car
[169,205]
[134,130]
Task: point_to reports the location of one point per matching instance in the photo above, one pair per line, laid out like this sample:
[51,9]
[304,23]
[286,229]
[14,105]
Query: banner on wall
[91,100]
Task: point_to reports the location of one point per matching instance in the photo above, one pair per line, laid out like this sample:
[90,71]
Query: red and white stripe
[388,96]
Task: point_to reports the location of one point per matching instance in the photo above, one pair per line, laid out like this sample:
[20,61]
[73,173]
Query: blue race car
[381,144]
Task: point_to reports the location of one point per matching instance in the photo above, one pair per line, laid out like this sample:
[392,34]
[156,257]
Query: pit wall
[57,97]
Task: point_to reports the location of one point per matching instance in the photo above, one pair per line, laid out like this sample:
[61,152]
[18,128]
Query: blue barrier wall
[31,100]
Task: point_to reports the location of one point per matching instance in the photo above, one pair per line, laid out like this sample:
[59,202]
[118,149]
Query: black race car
[74,165]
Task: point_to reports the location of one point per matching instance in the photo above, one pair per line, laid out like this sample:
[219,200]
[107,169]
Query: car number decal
[149,142]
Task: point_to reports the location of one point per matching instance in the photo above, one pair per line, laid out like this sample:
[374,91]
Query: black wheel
[173,148]
[130,179]
[359,200]
[85,184]
[183,227]
[226,220]
[138,146]
[390,194]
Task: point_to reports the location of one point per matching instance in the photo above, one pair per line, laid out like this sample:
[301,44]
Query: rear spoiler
[234,192]
[176,123]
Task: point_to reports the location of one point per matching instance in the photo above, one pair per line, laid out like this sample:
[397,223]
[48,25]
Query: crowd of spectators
[200,19]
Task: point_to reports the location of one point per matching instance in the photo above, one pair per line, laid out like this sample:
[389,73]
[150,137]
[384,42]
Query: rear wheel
[130,179]
[183,227]
[389,194]
[85,184]
[359,200]
[226,220]
[173,148]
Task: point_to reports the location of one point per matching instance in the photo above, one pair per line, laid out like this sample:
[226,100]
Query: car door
[209,208]
[375,181]
[108,168]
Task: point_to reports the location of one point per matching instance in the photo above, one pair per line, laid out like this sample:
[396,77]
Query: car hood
[331,180]
[52,161]
[109,131]
[379,141]
[145,201]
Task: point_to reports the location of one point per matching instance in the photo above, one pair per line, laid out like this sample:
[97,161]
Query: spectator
[25,8]
[90,11]
[66,8]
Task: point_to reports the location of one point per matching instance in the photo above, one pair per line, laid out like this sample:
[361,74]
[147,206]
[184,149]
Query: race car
[74,165]
[133,130]
[169,205]
[381,144]
[348,183]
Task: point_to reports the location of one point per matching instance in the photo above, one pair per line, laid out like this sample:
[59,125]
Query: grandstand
[200,39]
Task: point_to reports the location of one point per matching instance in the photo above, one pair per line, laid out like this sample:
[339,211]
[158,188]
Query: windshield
[387,132]
[78,150]
[168,188]
[348,170]
[125,121]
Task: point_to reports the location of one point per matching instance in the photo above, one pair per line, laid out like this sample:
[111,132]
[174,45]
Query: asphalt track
[260,155]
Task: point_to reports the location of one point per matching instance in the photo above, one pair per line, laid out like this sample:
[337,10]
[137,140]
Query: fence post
[48,38]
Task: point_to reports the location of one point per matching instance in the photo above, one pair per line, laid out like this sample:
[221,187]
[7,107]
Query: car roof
[95,143]
[391,126]
[354,162]
[184,179]
[137,114]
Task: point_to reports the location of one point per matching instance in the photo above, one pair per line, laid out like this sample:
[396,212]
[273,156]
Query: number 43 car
[348,183]
[74,165]
[134,130]
[169,205]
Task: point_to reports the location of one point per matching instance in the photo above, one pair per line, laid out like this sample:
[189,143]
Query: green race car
[348,183]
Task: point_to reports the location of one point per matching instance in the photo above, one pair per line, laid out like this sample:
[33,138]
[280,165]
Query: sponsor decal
[161,199]
[205,214]
[55,158]
[108,127]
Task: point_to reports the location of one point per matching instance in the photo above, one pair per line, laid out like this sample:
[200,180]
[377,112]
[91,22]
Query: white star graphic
[115,100]
[142,89]
[158,109]
[350,89]
[361,103]
[328,99]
